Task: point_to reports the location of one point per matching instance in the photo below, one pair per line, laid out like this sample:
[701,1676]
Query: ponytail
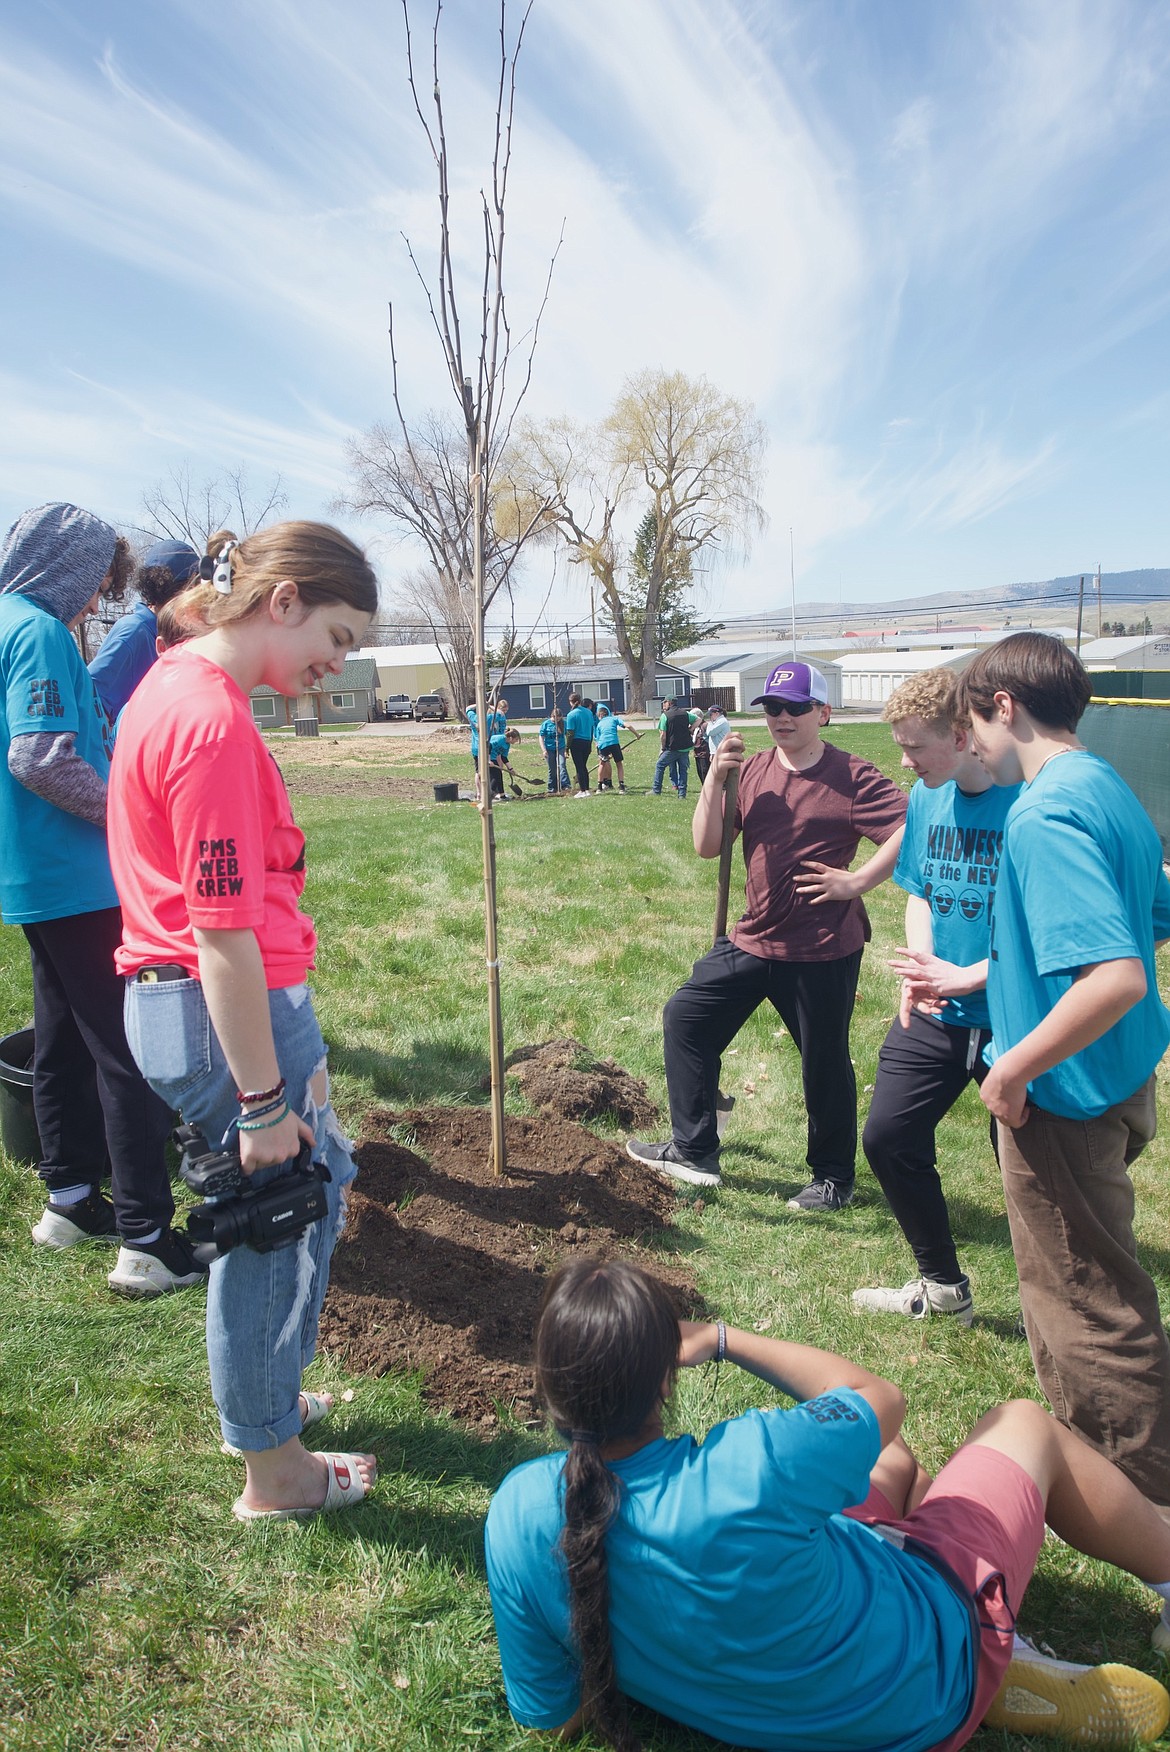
[606,1341]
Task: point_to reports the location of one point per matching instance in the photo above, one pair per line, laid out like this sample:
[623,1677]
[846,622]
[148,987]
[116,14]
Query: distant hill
[1144,589]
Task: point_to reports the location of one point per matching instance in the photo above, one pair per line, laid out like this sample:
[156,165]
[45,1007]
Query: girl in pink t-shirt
[209,866]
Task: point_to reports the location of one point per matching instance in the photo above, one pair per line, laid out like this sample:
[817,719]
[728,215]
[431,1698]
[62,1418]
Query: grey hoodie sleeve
[48,764]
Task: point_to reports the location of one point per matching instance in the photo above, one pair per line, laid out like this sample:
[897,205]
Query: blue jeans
[262,1308]
[679,762]
[558,772]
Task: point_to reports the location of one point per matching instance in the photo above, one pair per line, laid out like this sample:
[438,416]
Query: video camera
[265,1218]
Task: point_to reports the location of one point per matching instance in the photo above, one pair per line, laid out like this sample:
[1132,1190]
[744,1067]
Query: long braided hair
[606,1342]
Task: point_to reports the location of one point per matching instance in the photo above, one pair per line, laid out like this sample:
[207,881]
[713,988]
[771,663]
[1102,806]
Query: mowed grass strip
[135,1613]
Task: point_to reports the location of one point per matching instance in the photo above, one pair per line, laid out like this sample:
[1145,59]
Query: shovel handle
[730,795]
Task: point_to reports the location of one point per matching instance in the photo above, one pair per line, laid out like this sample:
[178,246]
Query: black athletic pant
[814,1000]
[579,747]
[922,1071]
[95,1113]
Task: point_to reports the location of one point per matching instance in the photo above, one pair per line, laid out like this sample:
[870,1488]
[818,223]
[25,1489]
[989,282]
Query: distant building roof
[888,662]
[1109,649]
[575,669]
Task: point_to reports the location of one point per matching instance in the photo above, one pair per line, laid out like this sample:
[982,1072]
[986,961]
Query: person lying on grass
[796,1580]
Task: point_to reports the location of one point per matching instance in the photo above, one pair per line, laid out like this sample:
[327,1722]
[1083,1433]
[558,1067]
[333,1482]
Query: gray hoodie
[57,556]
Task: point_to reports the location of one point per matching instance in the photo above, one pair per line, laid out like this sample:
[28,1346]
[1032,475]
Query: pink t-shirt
[785,817]
[200,827]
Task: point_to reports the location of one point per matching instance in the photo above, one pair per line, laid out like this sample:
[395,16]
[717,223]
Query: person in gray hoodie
[95,1114]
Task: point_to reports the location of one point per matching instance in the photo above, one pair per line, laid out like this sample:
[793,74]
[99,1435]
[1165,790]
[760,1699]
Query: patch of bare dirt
[442,1267]
[562,1077]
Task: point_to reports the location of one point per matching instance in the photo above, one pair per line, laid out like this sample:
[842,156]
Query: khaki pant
[1090,1311]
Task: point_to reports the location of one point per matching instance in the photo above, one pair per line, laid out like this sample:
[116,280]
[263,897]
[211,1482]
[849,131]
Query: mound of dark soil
[561,1077]
[442,1267]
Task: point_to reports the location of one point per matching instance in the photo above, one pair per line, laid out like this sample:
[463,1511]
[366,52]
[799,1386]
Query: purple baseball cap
[797,682]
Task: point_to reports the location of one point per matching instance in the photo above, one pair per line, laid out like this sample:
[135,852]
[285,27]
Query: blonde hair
[323,563]
[929,696]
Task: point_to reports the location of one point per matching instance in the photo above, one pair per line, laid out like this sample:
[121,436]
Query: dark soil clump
[442,1267]
[563,1078]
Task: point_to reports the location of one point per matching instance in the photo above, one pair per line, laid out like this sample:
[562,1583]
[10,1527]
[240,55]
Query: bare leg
[1092,1505]
[902,1480]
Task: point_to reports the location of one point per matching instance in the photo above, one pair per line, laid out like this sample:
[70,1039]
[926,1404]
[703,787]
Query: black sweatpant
[922,1071]
[814,1000]
[579,747]
[95,1113]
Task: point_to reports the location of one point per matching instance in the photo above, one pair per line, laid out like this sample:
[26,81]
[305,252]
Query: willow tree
[673,448]
[489,369]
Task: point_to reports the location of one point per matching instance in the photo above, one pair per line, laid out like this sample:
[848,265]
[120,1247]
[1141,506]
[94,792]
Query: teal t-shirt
[742,1602]
[499,748]
[607,732]
[53,865]
[950,858]
[1081,882]
[473,720]
[580,724]
[552,736]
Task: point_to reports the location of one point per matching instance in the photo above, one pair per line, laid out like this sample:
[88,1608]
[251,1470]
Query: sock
[64,1196]
[1023,1650]
[144,1240]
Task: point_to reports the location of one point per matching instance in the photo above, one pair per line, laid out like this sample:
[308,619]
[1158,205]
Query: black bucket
[446,793]
[18,1126]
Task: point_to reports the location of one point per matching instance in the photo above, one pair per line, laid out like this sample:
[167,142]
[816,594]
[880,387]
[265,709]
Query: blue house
[533,691]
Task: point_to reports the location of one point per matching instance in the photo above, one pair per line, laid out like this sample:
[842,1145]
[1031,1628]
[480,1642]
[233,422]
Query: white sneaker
[1109,1706]
[918,1299]
[154,1268]
[581,794]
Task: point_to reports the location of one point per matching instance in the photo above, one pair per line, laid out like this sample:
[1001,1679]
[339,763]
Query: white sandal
[344,1491]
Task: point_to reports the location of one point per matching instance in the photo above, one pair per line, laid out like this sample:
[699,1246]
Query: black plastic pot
[446,793]
[18,1126]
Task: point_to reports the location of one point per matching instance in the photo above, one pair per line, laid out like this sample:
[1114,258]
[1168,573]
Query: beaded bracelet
[250,1125]
[721,1341]
[246,1097]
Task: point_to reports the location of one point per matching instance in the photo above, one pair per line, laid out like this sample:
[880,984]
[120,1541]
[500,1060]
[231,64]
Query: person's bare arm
[798,1370]
[1099,996]
[826,882]
[231,973]
[707,821]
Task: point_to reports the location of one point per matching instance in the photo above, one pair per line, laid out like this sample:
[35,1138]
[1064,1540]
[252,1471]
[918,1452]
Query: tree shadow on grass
[432,1070]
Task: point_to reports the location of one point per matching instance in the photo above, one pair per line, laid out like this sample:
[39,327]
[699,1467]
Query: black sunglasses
[773,708]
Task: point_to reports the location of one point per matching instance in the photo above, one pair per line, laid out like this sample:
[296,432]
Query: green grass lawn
[134,1612]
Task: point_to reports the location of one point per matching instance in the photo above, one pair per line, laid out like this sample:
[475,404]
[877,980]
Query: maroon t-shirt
[785,817]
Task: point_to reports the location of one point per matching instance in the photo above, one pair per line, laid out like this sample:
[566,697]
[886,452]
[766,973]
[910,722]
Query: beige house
[408,669]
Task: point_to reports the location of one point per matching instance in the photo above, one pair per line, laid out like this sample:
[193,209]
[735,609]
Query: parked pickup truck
[430,706]
[399,706]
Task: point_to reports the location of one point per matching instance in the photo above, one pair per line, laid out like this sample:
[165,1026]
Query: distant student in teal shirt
[609,749]
[580,729]
[795,1581]
[552,740]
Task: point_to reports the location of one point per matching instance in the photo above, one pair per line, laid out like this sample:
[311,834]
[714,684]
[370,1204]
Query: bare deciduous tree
[181,510]
[459,524]
[678,442]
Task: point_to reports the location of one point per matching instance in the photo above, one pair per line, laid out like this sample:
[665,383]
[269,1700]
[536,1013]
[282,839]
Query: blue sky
[930,242]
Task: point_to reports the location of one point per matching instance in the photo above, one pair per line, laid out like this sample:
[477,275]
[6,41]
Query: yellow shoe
[1107,1706]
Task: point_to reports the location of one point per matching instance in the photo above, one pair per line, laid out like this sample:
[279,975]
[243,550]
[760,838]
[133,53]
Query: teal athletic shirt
[552,736]
[742,1602]
[580,724]
[950,858]
[53,865]
[1080,882]
[607,732]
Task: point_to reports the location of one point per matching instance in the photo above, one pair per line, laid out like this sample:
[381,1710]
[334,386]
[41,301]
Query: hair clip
[217,570]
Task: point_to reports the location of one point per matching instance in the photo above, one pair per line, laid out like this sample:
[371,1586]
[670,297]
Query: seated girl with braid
[795,1580]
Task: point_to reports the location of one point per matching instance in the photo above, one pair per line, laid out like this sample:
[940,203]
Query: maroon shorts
[984,1517]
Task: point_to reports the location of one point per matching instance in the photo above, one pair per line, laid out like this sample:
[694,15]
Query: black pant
[579,747]
[814,1000]
[922,1071]
[95,1113]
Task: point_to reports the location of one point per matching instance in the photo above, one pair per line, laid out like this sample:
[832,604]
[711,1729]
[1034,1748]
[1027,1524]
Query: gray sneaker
[820,1196]
[670,1160]
[918,1299]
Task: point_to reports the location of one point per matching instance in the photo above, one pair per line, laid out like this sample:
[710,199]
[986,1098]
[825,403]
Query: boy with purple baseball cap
[798,682]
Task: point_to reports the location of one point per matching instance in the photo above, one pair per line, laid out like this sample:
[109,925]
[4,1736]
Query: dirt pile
[561,1077]
[442,1267]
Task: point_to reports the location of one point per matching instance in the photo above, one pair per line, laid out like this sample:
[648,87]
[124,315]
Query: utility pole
[1098,599]
[1080,612]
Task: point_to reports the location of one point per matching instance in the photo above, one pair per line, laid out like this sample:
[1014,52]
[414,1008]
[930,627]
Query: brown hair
[1037,670]
[323,563]
[606,1340]
[930,696]
[121,571]
[172,630]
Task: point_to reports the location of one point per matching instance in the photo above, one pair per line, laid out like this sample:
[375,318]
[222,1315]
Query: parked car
[399,706]
[430,706]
